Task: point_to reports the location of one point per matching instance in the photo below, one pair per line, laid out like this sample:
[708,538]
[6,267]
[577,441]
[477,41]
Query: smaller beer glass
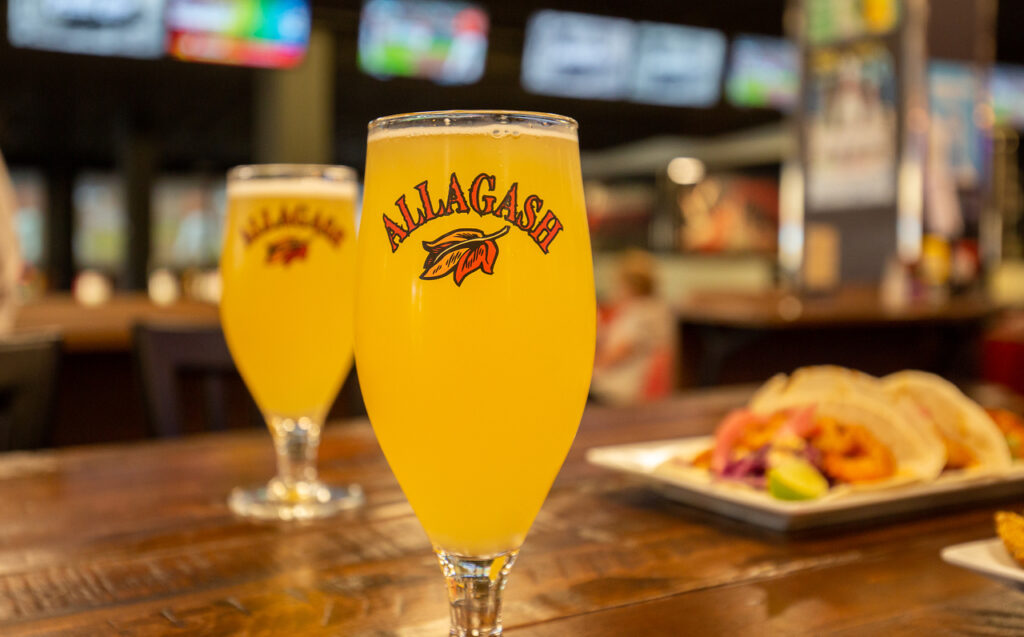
[288,283]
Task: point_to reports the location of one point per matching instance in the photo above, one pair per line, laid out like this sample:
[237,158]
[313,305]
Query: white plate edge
[610,457]
[957,555]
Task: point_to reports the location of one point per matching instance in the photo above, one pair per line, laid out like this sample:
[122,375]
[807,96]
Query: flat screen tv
[441,41]
[127,28]
[188,221]
[100,221]
[1007,89]
[260,33]
[677,65]
[579,55]
[763,73]
[30,214]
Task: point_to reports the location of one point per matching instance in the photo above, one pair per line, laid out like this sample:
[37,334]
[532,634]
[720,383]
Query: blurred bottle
[965,266]
[935,267]
[896,290]
[821,258]
[10,256]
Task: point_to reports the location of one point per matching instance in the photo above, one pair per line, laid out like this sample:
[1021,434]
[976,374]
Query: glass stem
[475,585]
[296,441]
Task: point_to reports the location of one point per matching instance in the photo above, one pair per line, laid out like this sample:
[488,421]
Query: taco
[818,381]
[855,399]
[971,437]
[1012,427]
[839,421]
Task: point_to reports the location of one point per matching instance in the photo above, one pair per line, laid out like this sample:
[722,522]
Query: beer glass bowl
[288,271]
[475,320]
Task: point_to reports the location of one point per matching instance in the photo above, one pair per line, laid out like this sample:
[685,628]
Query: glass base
[300,501]
[475,585]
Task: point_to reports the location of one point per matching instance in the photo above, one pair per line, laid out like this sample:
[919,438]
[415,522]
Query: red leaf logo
[460,252]
[287,250]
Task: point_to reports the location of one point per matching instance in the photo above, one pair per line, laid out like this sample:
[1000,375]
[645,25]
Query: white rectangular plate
[696,488]
[988,557]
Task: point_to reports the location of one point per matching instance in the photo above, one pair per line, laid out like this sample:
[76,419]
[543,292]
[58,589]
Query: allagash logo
[290,247]
[541,226]
[461,252]
[287,250]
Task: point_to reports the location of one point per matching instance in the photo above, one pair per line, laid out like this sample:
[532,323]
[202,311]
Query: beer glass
[475,320]
[288,271]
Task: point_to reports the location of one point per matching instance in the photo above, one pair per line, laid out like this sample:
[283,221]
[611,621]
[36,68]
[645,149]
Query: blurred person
[635,357]
[10,257]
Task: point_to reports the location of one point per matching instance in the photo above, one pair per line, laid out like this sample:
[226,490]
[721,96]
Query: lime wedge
[796,480]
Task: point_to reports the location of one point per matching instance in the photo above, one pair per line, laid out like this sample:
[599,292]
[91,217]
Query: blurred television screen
[578,55]
[956,143]
[441,41]
[678,65]
[1007,88]
[188,221]
[763,73]
[30,214]
[100,221]
[129,28]
[261,33]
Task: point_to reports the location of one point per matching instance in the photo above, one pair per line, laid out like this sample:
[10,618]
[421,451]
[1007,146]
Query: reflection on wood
[137,540]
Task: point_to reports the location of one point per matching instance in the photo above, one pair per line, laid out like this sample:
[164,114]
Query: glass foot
[299,501]
[475,585]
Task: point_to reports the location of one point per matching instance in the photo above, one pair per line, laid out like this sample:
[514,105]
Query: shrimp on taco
[838,421]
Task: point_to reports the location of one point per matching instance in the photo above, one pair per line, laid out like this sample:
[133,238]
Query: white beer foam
[292,187]
[496,131]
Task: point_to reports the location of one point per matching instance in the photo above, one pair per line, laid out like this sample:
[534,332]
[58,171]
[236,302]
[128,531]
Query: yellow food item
[702,460]
[958,455]
[1012,427]
[1010,527]
[850,453]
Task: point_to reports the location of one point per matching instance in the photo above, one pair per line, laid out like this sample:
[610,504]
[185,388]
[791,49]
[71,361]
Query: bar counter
[733,337]
[107,327]
[136,539]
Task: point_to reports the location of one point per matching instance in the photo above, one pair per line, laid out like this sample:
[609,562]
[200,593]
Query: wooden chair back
[29,366]
[165,354]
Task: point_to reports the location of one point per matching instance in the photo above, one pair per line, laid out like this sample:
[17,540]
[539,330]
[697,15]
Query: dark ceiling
[74,109]
[602,123]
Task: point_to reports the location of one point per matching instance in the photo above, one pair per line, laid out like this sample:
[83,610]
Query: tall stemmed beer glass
[474,329]
[288,270]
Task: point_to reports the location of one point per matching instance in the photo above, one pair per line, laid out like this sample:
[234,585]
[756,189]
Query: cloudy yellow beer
[474,317]
[288,271]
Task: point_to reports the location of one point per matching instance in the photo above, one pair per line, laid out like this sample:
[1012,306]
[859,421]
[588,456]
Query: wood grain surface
[137,540]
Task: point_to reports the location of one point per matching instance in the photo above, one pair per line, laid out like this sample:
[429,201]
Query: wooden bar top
[106,327]
[137,540]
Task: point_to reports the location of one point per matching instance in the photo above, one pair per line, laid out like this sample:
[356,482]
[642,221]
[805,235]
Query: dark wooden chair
[165,355]
[28,382]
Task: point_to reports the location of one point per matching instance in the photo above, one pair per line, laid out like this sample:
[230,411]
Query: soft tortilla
[859,399]
[954,414]
[822,380]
